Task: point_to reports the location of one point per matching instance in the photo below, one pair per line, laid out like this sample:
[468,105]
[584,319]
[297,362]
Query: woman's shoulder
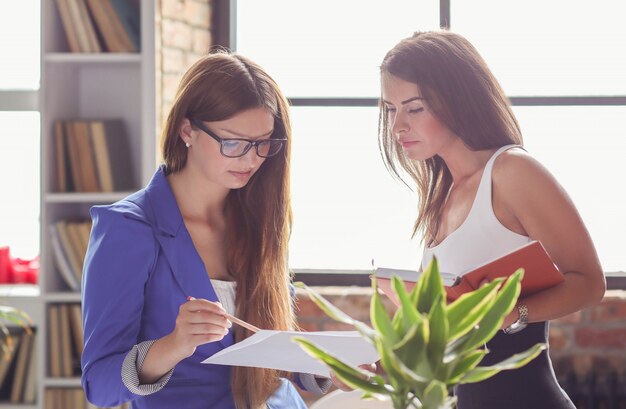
[130,208]
[519,178]
[516,166]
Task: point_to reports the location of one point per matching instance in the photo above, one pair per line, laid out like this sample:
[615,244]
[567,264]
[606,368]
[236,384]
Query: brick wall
[590,340]
[183,35]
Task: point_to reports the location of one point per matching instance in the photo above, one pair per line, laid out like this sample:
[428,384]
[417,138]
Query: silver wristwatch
[521,322]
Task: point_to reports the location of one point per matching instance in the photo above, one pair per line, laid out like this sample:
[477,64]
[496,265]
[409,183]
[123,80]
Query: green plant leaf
[503,304]
[335,313]
[516,361]
[435,395]
[15,316]
[412,347]
[409,311]
[397,369]
[354,377]
[454,348]
[381,321]
[431,288]
[438,325]
[467,311]
[463,364]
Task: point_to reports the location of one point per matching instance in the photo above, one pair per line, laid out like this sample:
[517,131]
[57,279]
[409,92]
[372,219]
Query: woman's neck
[199,200]
[463,162]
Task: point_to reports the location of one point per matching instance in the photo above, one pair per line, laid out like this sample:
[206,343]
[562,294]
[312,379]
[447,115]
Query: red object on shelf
[17,270]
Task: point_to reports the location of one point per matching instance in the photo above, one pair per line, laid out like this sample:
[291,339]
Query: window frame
[225,34]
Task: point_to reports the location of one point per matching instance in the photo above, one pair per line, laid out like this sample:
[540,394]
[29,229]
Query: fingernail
[189,298]
[229,323]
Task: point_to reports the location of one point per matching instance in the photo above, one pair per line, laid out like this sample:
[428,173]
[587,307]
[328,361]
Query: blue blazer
[140,267]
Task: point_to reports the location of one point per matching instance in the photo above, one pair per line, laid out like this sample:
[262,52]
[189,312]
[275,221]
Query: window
[19,127]
[324,54]
[560,62]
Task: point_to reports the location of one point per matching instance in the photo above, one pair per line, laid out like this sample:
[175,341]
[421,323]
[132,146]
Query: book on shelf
[30,387]
[126,14]
[7,362]
[24,355]
[69,241]
[71,398]
[65,398]
[73,157]
[54,344]
[65,336]
[540,273]
[76,326]
[114,33]
[61,153]
[78,27]
[76,238]
[82,167]
[87,166]
[61,260]
[92,156]
[67,358]
[70,28]
[86,26]
[112,155]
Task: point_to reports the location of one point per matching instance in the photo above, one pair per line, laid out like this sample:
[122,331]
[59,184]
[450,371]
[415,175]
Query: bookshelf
[85,86]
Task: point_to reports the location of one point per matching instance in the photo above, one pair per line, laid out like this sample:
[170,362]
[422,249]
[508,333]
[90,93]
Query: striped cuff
[132,366]
[314,384]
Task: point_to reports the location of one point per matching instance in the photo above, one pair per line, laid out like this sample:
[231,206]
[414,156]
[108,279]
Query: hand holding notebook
[540,273]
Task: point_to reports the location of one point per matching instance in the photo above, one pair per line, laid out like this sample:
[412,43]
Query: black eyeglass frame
[251,143]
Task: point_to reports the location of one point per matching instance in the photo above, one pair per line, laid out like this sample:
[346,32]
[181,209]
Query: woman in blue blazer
[208,235]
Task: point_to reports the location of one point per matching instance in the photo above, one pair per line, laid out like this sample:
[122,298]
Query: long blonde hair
[463,94]
[258,216]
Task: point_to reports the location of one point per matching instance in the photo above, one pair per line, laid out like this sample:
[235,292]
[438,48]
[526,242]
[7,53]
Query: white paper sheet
[276,350]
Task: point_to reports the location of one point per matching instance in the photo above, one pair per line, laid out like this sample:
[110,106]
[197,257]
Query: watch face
[517,326]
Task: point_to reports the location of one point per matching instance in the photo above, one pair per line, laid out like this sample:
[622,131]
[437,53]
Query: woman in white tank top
[446,123]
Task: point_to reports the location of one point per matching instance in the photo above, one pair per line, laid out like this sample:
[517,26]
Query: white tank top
[225,291]
[481,237]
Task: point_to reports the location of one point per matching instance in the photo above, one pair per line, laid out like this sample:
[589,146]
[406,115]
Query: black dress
[533,386]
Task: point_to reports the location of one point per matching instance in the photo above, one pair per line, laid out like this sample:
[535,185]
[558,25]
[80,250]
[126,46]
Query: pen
[242,323]
[235,320]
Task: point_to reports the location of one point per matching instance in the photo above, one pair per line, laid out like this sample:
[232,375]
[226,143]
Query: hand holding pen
[234,319]
[198,322]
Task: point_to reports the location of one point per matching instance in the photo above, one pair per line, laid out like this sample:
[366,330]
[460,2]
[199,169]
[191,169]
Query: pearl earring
[187,144]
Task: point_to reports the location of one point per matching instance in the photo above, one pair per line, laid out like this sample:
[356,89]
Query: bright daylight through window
[19,127]
[348,210]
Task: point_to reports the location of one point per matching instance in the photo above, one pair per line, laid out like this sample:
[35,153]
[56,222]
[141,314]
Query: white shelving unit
[82,85]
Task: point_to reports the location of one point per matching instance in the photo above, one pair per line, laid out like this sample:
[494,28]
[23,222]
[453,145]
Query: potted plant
[15,316]
[428,346]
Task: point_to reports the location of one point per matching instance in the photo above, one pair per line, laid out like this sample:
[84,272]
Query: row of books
[65,347]
[70,398]
[69,240]
[93,26]
[18,372]
[65,336]
[92,156]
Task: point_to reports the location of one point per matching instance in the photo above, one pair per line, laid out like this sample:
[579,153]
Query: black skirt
[534,386]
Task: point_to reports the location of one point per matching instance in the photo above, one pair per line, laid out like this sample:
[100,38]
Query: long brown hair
[258,216]
[463,94]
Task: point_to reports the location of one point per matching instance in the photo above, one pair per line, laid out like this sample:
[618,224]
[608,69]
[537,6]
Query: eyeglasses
[237,147]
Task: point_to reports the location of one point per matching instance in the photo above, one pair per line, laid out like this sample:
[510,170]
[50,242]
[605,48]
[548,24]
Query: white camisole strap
[481,237]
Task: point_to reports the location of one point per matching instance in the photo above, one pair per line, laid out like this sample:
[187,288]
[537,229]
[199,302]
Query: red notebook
[540,273]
